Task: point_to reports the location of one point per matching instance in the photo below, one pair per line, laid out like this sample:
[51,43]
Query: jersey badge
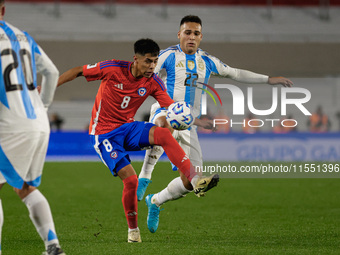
[141,91]
[114,154]
[191,64]
[200,64]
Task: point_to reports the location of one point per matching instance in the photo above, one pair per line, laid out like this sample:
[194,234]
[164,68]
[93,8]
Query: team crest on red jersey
[114,154]
[141,91]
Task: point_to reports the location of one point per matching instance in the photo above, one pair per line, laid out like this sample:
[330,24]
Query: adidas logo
[180,64]
[184,158]
[120,86]
[132,214]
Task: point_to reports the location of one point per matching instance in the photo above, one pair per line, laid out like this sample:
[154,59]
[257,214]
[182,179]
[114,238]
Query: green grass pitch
[240,216]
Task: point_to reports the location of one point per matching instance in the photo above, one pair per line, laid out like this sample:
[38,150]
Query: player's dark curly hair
[144,46]
[191,18]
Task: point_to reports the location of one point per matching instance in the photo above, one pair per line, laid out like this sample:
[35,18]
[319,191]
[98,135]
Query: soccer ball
[179,115]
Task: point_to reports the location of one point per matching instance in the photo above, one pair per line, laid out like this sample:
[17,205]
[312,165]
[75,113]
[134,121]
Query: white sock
[133,229]
[150,160]
[41,216]
[174,190]
[1,222]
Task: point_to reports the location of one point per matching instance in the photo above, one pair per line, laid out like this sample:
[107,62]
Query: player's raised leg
[190,178]
[163,137]
[176,189]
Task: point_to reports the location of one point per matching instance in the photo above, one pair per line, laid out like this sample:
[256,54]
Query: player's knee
[162,135]
[166,133]
[161,121]
[24,191]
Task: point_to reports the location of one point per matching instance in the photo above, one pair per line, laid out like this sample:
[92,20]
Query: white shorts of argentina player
[22,157]
[187,139]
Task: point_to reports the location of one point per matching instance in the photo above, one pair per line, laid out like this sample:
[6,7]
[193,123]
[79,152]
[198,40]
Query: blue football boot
[153,214]
[142,186]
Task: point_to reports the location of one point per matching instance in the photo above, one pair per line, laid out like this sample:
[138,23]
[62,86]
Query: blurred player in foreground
[24,125]
[124,87]
[181,67]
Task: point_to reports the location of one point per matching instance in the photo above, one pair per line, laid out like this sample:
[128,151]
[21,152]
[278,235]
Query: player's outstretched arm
[280,80]
[246,76]
[70,75]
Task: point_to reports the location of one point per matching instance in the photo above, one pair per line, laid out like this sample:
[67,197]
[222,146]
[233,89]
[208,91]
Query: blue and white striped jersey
[21,107]
[181,73]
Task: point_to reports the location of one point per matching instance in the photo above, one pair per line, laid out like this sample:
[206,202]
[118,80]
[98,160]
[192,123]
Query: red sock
[129,200]
[164,138]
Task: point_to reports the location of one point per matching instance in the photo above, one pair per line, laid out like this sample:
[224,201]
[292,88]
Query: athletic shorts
[187,139]
[113,147]
[22,157]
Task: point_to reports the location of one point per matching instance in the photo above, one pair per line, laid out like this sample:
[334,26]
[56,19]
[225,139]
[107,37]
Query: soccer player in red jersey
[124,87]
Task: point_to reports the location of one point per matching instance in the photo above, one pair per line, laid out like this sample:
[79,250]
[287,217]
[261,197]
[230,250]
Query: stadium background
[298,39]
[295,39]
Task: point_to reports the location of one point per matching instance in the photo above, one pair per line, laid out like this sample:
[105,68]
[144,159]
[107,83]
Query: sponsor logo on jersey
[141,91]
[180,64]
[191,64]
[91,66]
[114,154]
[120,86]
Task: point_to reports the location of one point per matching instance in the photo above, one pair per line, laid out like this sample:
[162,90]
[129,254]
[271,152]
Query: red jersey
[120,94]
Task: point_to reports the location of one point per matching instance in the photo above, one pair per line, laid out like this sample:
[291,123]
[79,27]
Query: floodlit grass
[240,216]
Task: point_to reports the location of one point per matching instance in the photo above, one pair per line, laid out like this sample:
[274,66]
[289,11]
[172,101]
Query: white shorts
[156,111]
[22,157]
[187,139]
